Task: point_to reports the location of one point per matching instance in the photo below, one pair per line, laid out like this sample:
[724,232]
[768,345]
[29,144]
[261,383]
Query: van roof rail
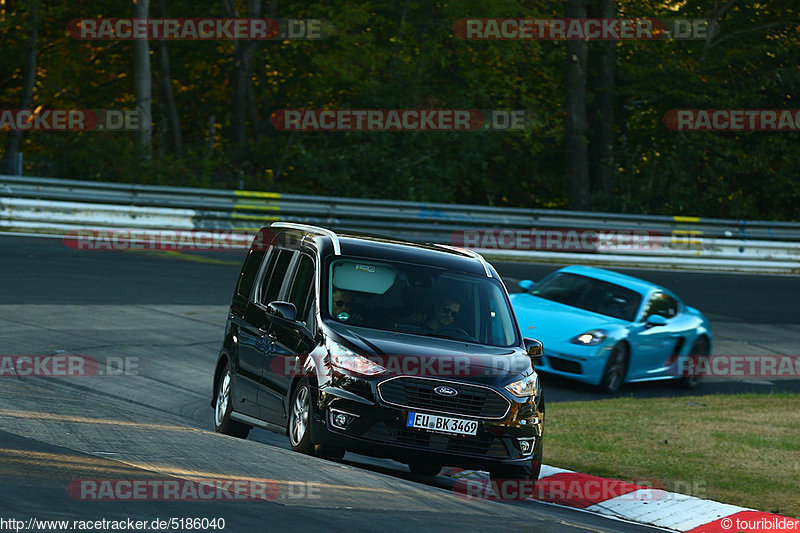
[470,253]
[337,248]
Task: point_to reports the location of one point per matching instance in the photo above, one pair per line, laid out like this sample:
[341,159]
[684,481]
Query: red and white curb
[637,503]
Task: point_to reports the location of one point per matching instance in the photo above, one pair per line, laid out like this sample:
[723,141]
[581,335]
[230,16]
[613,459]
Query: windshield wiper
[440,336]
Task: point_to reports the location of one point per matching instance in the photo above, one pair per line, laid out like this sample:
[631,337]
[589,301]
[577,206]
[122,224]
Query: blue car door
[652,345]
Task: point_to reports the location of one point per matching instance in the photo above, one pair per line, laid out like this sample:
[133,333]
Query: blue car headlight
[590,338]
[527,386]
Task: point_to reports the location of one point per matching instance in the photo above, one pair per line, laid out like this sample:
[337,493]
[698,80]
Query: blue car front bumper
[588,367]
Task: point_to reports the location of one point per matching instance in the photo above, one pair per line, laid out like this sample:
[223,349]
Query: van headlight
[527,386]
[346,359]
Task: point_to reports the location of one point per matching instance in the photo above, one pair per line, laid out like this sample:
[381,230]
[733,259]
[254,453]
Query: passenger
[444,314]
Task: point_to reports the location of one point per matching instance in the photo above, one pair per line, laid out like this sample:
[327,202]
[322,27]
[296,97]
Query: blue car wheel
[616,368]
[699,351]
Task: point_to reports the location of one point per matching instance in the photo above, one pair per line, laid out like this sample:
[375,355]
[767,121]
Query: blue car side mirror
[526,285]
[656,320]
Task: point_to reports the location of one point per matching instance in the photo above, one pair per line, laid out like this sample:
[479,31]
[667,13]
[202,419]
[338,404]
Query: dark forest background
[598,140]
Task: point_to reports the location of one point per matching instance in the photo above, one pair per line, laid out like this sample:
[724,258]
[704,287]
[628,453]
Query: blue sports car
[606,329]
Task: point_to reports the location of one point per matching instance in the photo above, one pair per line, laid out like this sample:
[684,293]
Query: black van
[379,347]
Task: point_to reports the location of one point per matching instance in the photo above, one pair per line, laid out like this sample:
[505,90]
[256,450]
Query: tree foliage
[404,54]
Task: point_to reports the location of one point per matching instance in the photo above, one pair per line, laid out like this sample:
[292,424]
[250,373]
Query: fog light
[341,419]
[525,446]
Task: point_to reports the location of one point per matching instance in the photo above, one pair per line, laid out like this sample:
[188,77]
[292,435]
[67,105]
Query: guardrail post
[17,164]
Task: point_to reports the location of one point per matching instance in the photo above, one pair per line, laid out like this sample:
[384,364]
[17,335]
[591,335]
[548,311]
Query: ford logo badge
[445,391]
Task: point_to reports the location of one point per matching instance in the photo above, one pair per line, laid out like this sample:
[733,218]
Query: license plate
[442,424]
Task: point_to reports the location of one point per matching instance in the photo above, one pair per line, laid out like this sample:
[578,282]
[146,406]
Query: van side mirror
[284,310]
[534,350]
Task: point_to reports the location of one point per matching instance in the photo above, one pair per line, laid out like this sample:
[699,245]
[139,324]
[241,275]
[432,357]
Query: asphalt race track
[162,315]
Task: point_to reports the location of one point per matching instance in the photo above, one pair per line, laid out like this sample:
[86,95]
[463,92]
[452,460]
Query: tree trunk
[575,120]
[400,29]
[143,86]
[263,127]
[212,133]
[7,164]
[601,115]
[173,121]
[244,54]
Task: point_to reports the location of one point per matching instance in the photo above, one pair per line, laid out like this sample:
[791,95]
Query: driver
[341,307]
[444,314]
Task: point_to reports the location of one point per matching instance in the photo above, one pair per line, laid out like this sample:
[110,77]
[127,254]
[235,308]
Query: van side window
[302,292]
[249,271]
[274,274]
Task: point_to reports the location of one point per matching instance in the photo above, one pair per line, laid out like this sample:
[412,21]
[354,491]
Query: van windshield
[420,300]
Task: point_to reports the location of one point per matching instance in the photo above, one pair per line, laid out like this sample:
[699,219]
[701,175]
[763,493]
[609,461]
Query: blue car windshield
[590,294]
[420,300]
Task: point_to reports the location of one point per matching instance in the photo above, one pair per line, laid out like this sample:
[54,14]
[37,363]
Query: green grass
[742,449]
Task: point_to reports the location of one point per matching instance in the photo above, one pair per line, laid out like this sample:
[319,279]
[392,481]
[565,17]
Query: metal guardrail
[47,205]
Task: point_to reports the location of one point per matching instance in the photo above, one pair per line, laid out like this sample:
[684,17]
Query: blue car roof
[639,285]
